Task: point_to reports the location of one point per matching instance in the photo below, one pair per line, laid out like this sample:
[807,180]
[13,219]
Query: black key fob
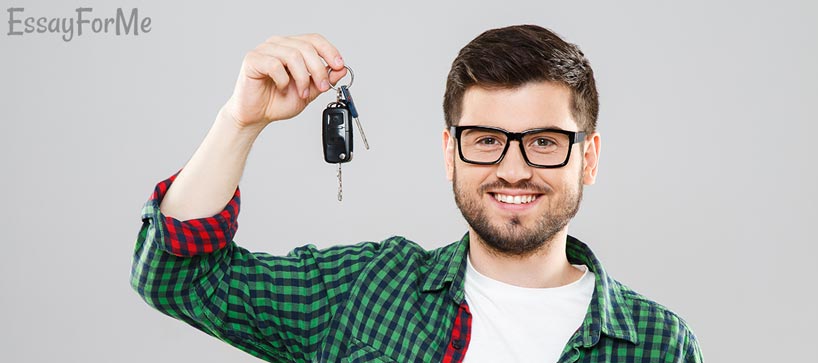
[337,135]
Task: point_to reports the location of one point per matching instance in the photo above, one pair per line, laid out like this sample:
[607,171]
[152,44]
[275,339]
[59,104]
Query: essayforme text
[81,23]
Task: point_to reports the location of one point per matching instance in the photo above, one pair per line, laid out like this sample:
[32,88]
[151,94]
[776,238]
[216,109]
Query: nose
[513,167]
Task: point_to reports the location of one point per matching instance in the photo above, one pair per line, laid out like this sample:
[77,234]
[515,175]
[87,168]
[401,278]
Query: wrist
[226,120]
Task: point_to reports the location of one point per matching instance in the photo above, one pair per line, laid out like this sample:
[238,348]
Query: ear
[591,157]
[448,153]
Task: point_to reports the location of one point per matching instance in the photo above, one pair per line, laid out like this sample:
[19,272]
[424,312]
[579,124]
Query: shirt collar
[609,311]
[607,314]
[447,265]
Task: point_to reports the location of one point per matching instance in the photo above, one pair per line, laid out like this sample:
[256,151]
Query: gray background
[705,194]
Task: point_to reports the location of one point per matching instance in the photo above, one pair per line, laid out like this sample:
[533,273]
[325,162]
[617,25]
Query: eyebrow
[535,128]
[554,128]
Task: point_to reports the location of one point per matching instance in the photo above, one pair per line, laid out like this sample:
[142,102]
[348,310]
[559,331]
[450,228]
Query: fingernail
[305,94]
[324,85]
[338,61]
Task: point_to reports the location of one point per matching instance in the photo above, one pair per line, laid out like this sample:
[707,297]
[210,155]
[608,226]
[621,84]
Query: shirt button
[457,344]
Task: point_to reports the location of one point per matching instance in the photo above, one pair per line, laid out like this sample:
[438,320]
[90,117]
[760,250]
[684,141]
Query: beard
[510,237]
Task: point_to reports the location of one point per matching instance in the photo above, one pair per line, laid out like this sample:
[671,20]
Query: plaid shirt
[391,301]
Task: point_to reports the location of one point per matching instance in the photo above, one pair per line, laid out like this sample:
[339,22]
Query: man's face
[485,193]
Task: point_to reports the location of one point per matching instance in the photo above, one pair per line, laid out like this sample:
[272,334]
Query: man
[520,142]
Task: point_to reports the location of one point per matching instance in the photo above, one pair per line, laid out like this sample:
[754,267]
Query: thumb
[336,76]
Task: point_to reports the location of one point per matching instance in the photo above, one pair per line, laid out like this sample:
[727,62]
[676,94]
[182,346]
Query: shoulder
[401,246]
[400,251]
[657,325]
[646,308]
[390,246]
[395,248]
[398,256]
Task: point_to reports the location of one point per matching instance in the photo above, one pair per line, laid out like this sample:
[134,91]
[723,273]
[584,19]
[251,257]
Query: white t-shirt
[518,324]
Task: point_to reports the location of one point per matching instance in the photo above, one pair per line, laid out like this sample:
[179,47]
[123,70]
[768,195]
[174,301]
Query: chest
[390,321]
[534,325]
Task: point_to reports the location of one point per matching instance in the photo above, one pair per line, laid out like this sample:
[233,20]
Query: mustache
[524,185]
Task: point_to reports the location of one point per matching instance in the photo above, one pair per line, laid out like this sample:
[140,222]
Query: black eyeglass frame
[573,138]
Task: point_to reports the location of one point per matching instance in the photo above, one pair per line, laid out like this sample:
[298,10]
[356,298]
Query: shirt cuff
[195,236]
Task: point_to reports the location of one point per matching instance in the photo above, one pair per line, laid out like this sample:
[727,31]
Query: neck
[544,268]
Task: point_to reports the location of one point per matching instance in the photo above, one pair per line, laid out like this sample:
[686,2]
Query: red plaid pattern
[197,236]
[461,335]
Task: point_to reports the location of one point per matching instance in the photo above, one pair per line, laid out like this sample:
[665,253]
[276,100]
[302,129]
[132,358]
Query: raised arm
[276,82]
[186,264]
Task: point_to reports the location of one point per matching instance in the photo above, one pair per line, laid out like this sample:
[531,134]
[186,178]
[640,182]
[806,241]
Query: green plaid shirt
[390,301]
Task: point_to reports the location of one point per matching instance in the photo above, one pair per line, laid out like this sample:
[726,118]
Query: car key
[336,126]
[337,133]
[337,138]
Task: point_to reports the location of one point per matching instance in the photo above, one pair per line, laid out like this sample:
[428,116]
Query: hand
[280,77]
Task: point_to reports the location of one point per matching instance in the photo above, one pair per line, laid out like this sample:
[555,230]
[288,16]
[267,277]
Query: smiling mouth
[514,199]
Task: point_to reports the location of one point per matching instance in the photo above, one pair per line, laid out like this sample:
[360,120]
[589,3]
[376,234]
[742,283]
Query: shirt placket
[460,336]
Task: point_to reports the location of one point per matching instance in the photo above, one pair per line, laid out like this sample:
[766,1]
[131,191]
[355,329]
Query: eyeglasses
[541,148]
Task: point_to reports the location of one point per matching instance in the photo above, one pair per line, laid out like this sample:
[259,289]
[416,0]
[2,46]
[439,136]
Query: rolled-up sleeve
[192,237]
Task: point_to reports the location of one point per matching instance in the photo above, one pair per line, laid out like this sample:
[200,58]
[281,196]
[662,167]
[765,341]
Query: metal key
[353,111]
[340,184]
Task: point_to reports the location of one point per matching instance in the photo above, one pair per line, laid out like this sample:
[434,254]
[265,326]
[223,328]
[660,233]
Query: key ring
[351,78]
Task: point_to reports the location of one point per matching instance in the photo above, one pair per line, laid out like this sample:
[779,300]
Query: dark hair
[513,56]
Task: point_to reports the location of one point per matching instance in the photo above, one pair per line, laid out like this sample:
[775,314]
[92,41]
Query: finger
[293,62]
[336,76]
[262,66]
[333,78]
[325,49]
[314,62]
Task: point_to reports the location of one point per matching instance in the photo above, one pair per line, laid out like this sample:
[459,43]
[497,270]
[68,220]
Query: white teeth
[516,199]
